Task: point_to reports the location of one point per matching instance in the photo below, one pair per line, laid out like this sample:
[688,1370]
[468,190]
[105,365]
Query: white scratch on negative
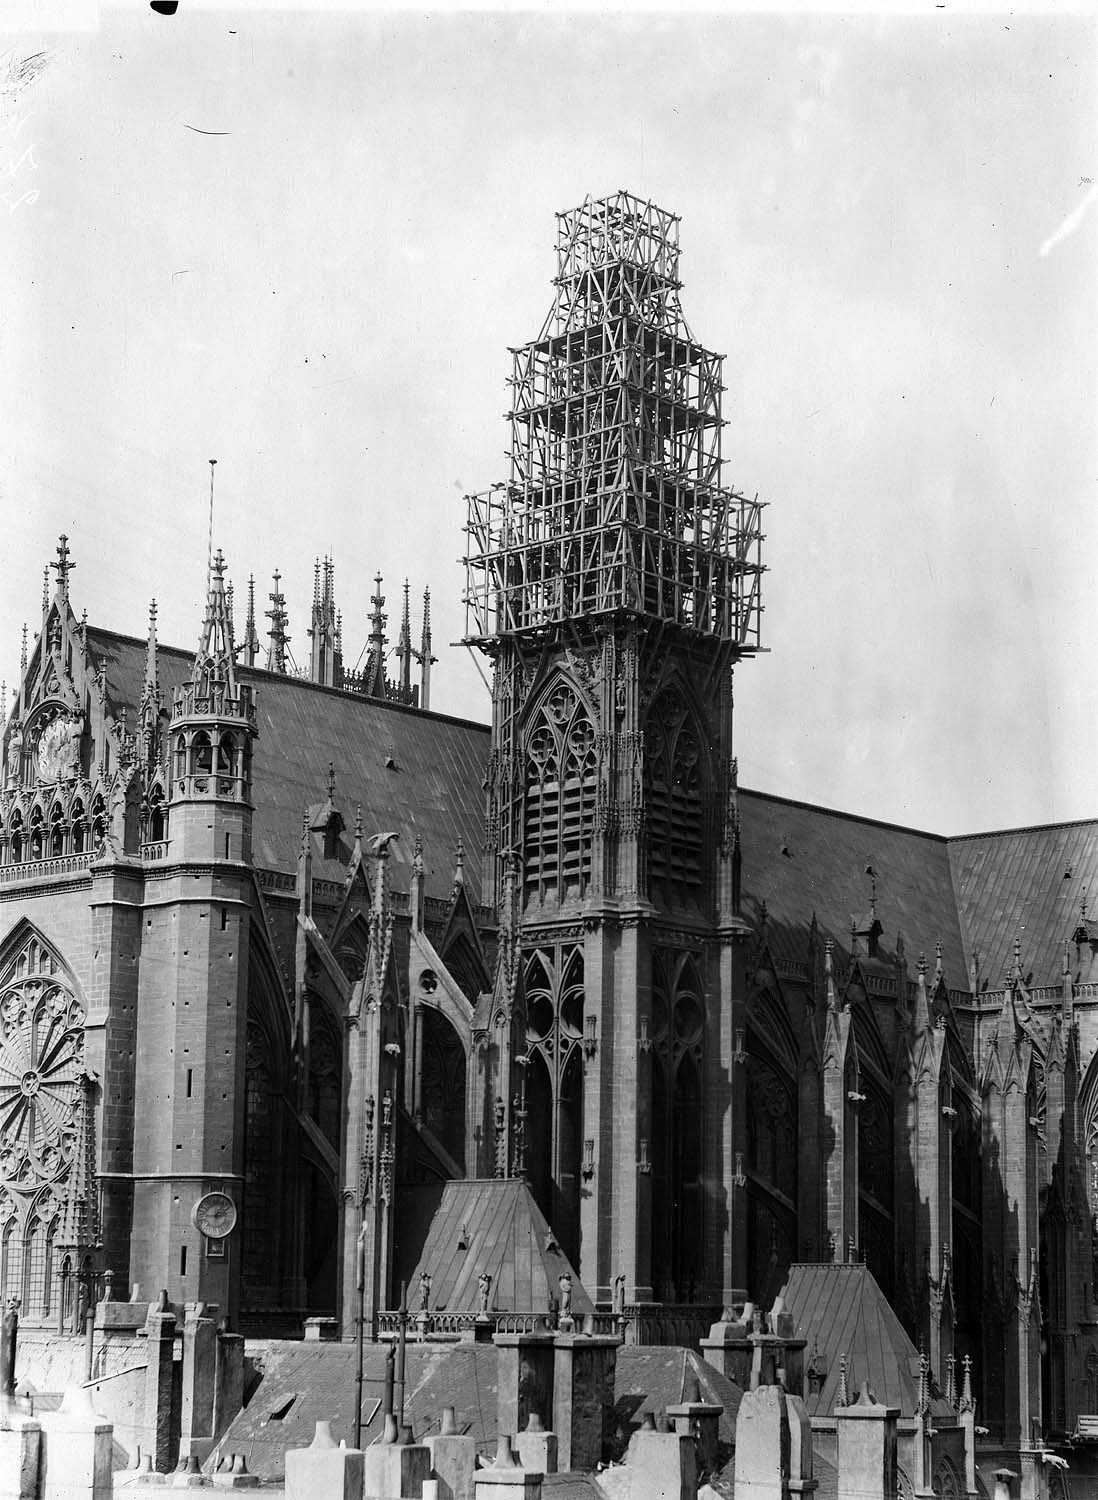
[1071,223]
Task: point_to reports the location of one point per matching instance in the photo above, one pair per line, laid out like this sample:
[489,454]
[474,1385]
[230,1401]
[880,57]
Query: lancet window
[554,1086]
[771,1119]
[442,1085]
[677,1031]
[560,798]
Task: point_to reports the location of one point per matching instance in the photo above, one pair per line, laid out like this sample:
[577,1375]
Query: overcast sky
[303,244]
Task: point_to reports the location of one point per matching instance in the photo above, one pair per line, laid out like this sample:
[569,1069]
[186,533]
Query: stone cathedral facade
[282,950]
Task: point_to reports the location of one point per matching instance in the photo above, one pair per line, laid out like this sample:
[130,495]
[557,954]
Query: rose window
[41,1062]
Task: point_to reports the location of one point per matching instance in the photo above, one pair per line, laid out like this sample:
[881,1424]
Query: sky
[302,243]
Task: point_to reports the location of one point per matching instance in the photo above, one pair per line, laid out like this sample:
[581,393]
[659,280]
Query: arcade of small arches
[67,819]
[210,764]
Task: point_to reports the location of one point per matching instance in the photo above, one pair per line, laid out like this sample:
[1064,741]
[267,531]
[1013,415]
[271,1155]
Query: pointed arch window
[57,830]
[18,839]
[560,798]
[156,814]
[673,796]
[442,1085]
[99,821]
[554,1086]
[37,833]
[79,827]
[677,1030]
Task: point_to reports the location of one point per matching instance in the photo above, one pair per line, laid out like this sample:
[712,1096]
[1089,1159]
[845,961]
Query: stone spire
[426,660]
[374,683]
[250,645]
[325,664]
[150,693]
[214,664]
[278,636]
[404,651]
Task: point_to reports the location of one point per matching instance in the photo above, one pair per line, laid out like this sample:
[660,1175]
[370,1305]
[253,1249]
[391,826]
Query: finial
[358,822]
[331,780]
[871,872]
[45,588]
[277,636]
[1083,904]
[1017,954]
[967,1403]
[938,962]
[210,529]
[316,584]
[23,651]
[922,966]
[3,702]
[459,865]
[423,655]
[417,856]
[828,947]
[764,918]
[923,1404]
[150,660]
[63,567]
[842,1395]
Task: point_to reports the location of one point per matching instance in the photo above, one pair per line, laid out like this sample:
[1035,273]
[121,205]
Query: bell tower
[192,1000]
[614,583]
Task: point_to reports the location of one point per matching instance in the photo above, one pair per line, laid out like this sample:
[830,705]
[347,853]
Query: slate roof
[493,1225]
[970,892]
[652,1378]
[434,788]
[1016,884]
[840,1310]
[823,870]
[303,1383]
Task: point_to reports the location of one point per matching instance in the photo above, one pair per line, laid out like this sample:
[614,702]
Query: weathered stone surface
[20,1443]
[76,1451]
[324,1469]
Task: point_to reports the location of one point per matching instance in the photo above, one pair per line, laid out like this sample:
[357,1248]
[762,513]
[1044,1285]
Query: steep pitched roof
[1016,884]
[800,859]
[433,787]
[493,1225]
[840,1310]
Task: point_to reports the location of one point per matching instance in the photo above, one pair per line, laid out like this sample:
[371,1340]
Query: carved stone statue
[565,1284]
[484,1288]
[619,1295]
[424,1291]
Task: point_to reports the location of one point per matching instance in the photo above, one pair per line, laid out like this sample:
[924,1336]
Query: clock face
[215,1215]
[56,750]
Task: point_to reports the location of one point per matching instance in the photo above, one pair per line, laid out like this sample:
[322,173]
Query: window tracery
[41,1078]
[677,1031]
[554,989]
[559,816]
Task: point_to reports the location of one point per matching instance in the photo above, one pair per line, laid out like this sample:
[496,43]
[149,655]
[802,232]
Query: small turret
[212,726]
